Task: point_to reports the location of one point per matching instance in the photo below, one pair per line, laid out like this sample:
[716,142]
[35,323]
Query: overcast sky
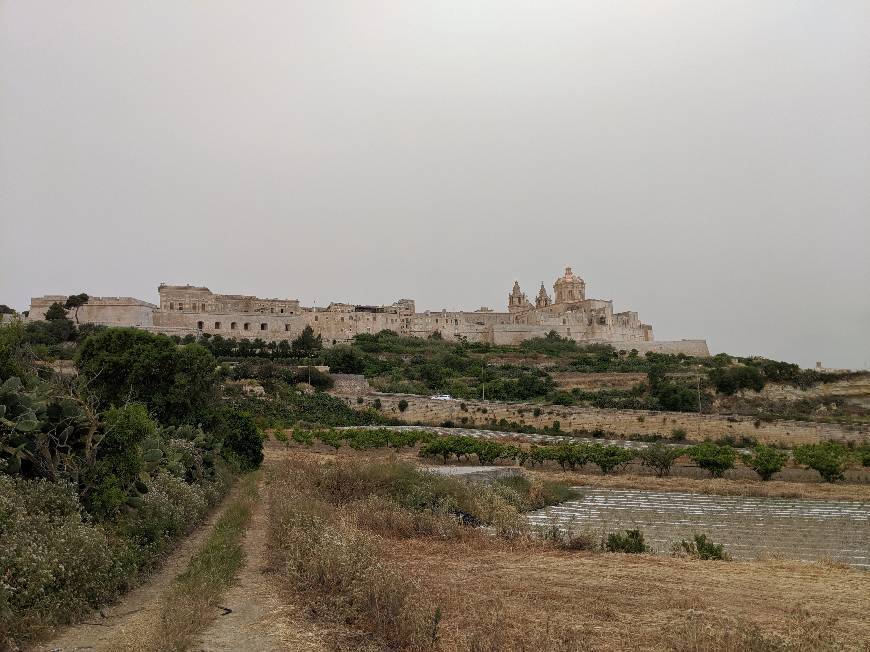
[706,164]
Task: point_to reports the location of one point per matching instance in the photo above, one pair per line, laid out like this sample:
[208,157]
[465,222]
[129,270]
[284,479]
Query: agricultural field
[347,540]
[748,527]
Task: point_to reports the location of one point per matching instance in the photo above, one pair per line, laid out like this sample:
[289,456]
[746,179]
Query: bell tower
[517,301]
[543,299]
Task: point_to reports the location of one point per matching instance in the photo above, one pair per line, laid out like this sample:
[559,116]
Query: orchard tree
[765,461]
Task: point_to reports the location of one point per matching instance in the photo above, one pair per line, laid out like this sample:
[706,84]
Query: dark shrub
[403,405]
[732,379]
[631,541]
[242,441]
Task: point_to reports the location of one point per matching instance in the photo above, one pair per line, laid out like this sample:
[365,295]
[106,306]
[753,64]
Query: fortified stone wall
[108,311]
[623,422]
[696,348]
[193,310]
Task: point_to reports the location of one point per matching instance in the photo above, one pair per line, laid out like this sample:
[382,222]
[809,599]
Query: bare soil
[259,619]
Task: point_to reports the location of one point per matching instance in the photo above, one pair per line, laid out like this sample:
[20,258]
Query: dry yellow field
[529,598]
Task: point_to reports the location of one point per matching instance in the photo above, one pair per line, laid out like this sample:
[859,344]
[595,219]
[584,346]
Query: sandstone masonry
[192,310]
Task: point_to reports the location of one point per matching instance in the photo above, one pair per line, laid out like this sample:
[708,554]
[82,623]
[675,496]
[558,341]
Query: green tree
[765,461]
[344,359]
[828,458]
[76,301]
[610,457]
[306,345]
[55,311]
[177,383]
[713,458]
[660,457]
[6,310]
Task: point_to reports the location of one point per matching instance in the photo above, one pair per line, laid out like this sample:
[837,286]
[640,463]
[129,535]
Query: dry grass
[498,596]
[190,604]
[335,567]
[526,594]
[714,486]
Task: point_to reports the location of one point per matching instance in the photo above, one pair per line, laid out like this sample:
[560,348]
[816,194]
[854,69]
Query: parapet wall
[622,422]
[697,348]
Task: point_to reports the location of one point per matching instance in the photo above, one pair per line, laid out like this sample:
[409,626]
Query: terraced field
[749,527]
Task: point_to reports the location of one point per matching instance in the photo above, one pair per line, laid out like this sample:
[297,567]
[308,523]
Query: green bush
[765,461]
[56,565]
[828,458]
[713,458]
[631,542]
[242,440]
[729,380]
[403,405]
[170,509]
[700,548]
[108,482]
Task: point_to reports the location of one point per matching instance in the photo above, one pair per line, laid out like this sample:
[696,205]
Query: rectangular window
[262,327]
[181,306]
[217,325]
[172,305]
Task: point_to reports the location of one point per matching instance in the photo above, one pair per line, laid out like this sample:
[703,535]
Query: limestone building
[193,310]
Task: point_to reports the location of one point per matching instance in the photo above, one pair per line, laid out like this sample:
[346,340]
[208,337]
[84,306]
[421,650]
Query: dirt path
[259,620]
[113,627]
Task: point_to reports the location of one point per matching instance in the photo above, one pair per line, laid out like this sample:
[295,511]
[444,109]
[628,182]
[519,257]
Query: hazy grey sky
[704,163]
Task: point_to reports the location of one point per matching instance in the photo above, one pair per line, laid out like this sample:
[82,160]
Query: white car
[441,397]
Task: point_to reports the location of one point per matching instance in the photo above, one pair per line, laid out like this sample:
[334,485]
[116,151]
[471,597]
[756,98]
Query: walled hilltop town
[191,310]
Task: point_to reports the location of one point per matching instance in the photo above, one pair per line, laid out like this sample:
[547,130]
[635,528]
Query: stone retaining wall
[622,422]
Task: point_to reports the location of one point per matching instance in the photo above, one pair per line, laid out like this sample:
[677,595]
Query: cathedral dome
[569,288]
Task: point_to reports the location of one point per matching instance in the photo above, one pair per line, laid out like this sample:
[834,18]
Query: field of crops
[748,527]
